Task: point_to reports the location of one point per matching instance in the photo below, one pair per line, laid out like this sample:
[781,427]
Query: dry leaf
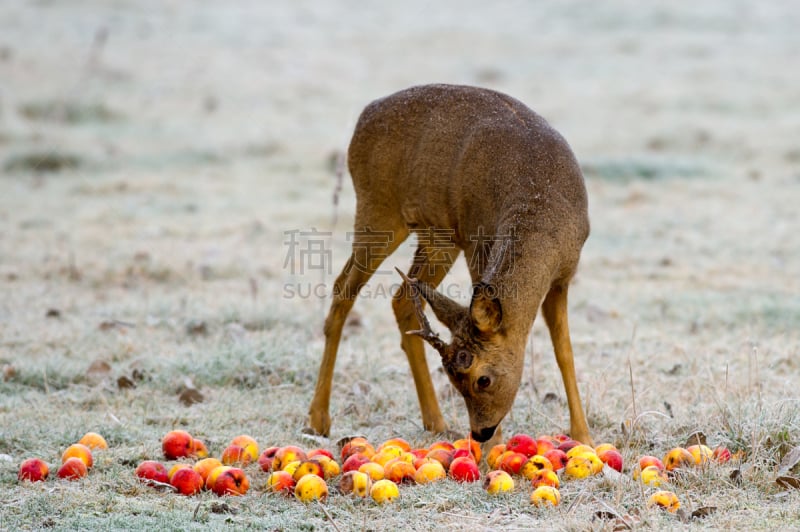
[124,383]
[190,396]
[9,372]
[696,438]
[196,328]
[98,368]
[222,508]
[788,482]
[789,461]
[703,511]
[52,313]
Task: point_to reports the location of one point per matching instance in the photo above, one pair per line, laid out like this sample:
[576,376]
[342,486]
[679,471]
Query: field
[167,222]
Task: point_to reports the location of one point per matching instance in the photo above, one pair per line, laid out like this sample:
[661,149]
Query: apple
[399,471]
[187,481]
[319,452]
[355,483]
[287,454]
[498,482]
[354,461]
[648,460]
[93,441]
[384,491]
[78,450]
[229,481]
[545,477]
[677,458]
[311,488]
[72,469]
[308,467]
[357,445]
[442,456]
[494,453]
[522,443]
[604,447]
[664,499]
[464,469]
[652,476]
[544,444]
[375,471]
[177,444]
[612,458]
[330,468]
[583,465]
[387,453]
[442,444]
[199,449]
[511,462]
[281,482]
[33,469]
[471,445]
[535,463]
[150,470]
[701,454]
[175,468]
[266,457]
[566,445]
[544,495]
[395,442]
[235,455]
[557,457]
[721,454]
[430,472]
[205,466]
[249,444]
[580,449]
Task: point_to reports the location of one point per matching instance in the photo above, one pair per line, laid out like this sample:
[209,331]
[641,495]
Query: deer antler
[426,333]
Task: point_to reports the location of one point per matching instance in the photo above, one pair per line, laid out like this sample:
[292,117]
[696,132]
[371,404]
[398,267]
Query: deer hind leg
[554,309]
[429,266]
[370,248]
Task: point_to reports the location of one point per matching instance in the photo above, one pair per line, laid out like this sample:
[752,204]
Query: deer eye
[484,382]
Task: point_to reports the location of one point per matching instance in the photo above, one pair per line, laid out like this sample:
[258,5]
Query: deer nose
[484,434]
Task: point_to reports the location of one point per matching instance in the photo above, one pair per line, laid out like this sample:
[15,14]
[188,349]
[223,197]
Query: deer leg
[554,309]
[431,269]
[363,262]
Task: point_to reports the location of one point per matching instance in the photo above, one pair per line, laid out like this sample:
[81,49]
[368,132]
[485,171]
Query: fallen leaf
[124,383]
[789,461]
[196,328]
[52,313]
[788,482]
[98,368]
[190,396]
[703,511]
[696,438]
[549,397]
[222,508]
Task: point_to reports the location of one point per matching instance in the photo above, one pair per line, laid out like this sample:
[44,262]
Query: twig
[630,374]
[329,516]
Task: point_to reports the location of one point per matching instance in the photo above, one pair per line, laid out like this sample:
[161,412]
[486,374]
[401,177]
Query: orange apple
[199,449]
[93,441]
[545,477]
[701,454]
[511,462]
[442,444]
[235,455]
[677,458]
[249,444]
[470,445]
[229,481]
[494,453]
[357,445]
[177,444]
[648,460]
[206,466]
[78,450]
[399,471]
[605,447]
[150,470]
[430,472]
[544,444]
[395,442]
[284,455]
[72,469]
[33,469]
[330,468]
[535,463]
[187,481]
[375,471]
[442,456]
[664,499]
[319,452]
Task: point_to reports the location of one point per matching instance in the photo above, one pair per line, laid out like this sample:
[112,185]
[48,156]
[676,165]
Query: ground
[160,160]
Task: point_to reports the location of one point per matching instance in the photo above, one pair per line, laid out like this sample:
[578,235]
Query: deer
[486,176]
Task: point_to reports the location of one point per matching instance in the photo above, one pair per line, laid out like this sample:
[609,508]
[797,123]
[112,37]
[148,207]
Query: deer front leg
[554,309]
[432,273]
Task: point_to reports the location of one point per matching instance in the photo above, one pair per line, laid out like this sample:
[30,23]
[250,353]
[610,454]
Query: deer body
[470,170]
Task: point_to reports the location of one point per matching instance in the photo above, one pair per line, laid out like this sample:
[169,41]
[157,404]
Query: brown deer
[466,169]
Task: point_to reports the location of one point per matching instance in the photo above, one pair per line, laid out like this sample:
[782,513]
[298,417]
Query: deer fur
[487,176]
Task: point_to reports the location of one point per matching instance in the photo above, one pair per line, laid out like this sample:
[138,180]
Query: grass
[158,253]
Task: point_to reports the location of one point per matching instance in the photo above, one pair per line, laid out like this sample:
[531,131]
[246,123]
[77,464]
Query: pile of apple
[368,471]
[76,461]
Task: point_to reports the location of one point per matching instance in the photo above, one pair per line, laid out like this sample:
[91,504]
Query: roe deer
[480,172]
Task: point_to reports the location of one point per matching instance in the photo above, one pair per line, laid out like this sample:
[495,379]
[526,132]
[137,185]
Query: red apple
[187,481]
[353,462]
[557,457]
[721,454]
[33,469]
[511,462]
[72,469]
[266,457]
[522,443]
[464,469]
[612,458]
[177,444]
[281,482]
[230,481]
[152,470]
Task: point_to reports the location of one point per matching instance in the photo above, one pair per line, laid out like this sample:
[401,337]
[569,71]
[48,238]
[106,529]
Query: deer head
[481,360]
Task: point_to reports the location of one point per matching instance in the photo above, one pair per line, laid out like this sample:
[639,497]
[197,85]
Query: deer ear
[485,308]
